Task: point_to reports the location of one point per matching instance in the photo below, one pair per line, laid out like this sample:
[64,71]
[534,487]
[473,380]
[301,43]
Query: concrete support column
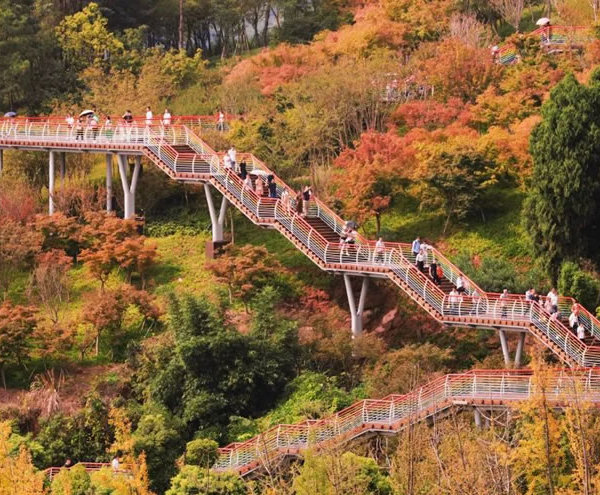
[216,219]
[510,363]
[477,416]
[356,312]
[109,179]
[129,187]
[51,184]
[504,345]
[519,351]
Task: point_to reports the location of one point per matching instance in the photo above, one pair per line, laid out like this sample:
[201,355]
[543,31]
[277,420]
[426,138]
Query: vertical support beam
[129,188]
[356,313]
[504,345]
[217,220]
[519,351]
[1,160]
[477,416]
[51,184]
[109,180]
[63,167]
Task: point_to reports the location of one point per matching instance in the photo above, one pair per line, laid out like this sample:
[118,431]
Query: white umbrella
[258,171]
[86,113]
[543,21]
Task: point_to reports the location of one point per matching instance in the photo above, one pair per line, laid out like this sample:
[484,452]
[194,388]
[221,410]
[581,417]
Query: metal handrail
[394,412]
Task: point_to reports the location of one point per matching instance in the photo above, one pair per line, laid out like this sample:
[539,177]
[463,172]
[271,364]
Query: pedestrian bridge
[181,153]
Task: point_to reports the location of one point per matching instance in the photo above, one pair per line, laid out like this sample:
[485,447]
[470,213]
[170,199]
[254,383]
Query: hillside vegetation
[121,339]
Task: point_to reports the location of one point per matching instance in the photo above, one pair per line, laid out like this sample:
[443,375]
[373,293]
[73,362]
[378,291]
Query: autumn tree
[17,473]
[115,243]
[105,310]
[17,200]
[49,281]
[19,245]
[17,324]
[371,176]
[60,232]
[511,11]
[245,270]
[562,209]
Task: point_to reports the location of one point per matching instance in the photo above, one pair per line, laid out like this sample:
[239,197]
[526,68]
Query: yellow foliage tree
[17,474]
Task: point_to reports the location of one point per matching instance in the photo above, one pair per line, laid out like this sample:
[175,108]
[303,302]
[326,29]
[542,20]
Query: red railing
[500,388]
[395,260]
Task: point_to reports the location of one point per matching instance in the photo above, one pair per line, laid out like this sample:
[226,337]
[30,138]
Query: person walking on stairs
[433,272]
[416,246]
[420,260]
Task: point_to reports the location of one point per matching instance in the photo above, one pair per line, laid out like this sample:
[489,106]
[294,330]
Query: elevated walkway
[185,157]
[481,390]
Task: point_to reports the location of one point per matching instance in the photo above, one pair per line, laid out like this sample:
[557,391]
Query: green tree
[576,283]
[207,372]
[329,474]
[455,178]
[74,481]
[86,39]
[201,452]
[192,480]
[158,437]
[562,209]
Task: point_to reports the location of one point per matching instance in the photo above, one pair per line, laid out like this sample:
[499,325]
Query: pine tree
[562,210]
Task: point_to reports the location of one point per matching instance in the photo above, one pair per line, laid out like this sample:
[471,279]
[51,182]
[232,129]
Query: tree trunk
[181,25]
[3,375]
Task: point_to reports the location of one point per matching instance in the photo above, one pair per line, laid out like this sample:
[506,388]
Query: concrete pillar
[109,191]
[129,187]
[217,220]
[477,416]
[356,312]
[519,351]
[51,184]
[504,344]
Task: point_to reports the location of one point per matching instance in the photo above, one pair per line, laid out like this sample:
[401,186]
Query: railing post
[308,242]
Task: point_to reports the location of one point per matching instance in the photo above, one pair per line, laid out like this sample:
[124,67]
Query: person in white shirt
[503,301]
[553,298]
[227,162]
[221,121]
[420,260]
[70,120]
[285,200]
[573,321]
[248,183]
[166,117]
[149,116]
[232,155]
[460,284]
[115,463]
[453,299]
[580,332]
[379,250]
[416,246]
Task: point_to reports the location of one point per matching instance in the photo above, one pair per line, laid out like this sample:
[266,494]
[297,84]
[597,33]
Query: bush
[201,452]
[74,481]
[574,282]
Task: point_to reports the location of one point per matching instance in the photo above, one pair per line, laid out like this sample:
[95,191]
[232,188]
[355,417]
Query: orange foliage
[17,201]
[456,69]
[431,114]
[371,173]
[115,243]
[283,64]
